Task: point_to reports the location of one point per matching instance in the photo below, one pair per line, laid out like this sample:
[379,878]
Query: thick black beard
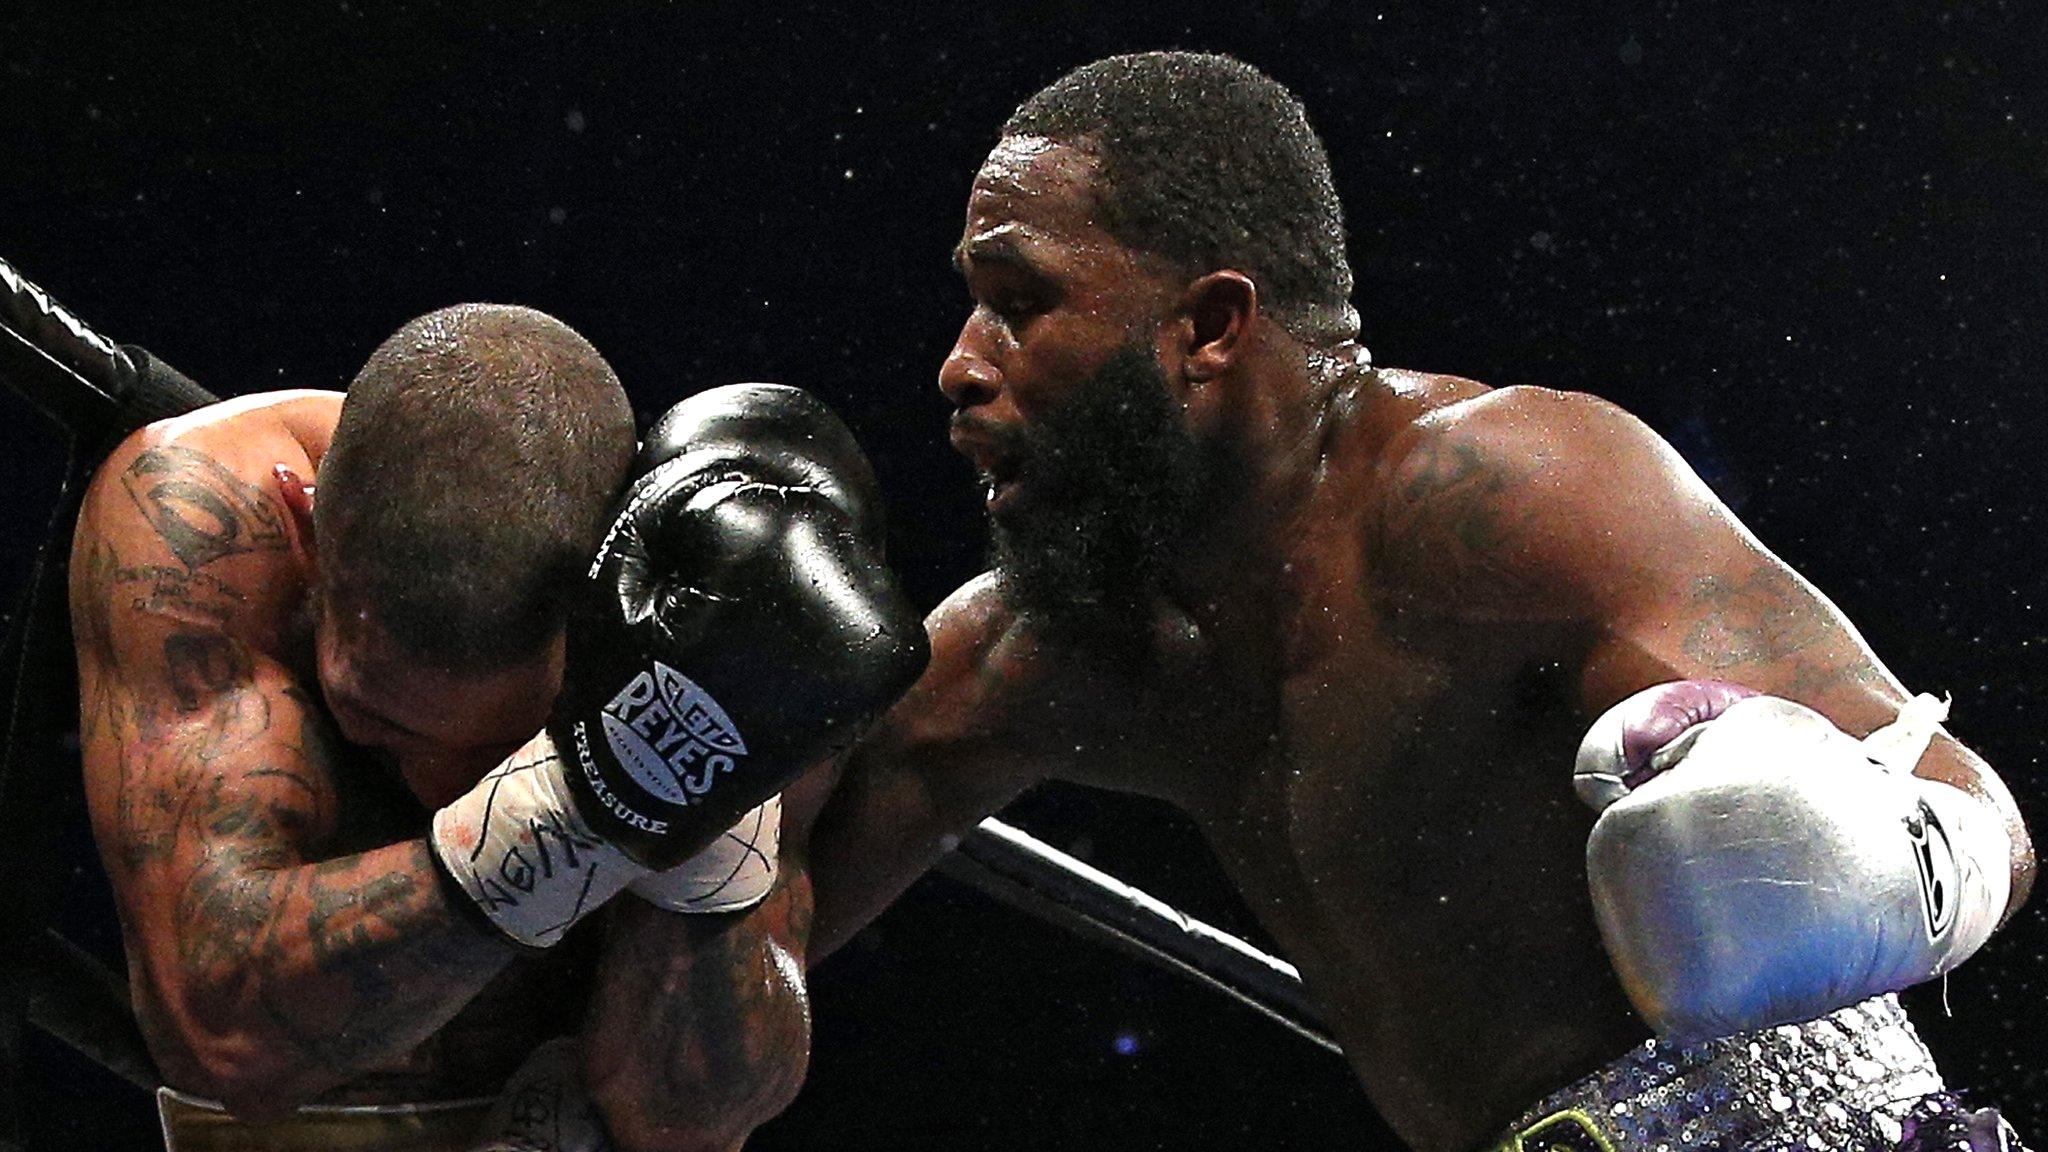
[1111,481]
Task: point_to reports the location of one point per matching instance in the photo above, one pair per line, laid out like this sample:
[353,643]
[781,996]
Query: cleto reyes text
[605,795]
[670,735]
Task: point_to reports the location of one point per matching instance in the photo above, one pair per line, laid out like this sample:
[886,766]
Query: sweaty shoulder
[971,632]
[1513,495]
[187,517]
[1520,420]
[1387,412]
[295,424]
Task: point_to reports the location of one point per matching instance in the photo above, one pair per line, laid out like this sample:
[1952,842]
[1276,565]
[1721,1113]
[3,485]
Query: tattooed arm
[1527,504]
[700,1027]
[263,971]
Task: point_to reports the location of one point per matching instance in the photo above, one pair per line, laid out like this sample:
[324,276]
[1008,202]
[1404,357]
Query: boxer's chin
[1047,569]
[1002,498]
[1105,496]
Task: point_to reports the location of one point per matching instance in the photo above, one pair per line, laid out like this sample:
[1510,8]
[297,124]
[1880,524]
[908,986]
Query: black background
[1807,248]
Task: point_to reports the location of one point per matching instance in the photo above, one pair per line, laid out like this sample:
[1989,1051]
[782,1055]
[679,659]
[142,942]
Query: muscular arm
[1529,503]
[700,1028]
[264,971]
[944,757]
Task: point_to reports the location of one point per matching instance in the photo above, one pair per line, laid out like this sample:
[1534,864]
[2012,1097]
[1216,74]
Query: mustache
[1014,447]
[968,424]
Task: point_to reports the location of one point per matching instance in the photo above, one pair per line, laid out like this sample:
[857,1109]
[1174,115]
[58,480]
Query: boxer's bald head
[476,459]
[1208,163]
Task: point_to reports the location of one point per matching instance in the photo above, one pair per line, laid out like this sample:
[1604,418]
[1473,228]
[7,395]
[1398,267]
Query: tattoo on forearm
[398,962]
[221,791]
[719,1024]
[202,511]
[353,960]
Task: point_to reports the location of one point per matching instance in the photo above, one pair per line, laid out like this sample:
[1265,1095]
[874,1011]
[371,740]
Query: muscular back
[257,860]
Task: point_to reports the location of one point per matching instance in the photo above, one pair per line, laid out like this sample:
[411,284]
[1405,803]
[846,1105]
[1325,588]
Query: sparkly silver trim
[1842,1083]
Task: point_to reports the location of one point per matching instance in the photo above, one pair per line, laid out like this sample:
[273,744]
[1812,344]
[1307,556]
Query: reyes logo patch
[673,738]
[1936,861]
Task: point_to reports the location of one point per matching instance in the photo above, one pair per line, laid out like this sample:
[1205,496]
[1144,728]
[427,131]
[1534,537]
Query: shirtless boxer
[349,819]
[1356,621]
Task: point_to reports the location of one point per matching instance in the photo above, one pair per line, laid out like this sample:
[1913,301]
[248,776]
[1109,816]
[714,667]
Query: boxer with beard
[1359,623]
[1113,480]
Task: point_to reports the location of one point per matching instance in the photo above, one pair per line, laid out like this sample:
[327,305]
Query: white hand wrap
[733,872]
[517,846]
[1777,868]
[545,1107]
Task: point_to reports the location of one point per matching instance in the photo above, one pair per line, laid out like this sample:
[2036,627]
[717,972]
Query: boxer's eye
[1012,292]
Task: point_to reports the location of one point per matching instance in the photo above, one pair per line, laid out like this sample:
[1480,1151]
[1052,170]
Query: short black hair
[470,477]
[1208,163]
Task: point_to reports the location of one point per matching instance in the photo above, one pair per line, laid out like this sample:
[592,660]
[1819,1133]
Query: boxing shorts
[1855,1080]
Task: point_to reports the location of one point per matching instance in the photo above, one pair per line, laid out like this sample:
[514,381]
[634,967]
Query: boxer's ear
[1218,311]
[298,500]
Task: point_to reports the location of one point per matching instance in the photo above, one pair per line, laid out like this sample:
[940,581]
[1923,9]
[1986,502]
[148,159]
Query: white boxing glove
[1755,865]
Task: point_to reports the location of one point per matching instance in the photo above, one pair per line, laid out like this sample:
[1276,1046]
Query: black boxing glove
[775,433]
[737,627]
[783,434]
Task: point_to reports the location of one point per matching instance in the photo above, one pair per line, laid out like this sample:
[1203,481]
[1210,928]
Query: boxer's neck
[1291,410]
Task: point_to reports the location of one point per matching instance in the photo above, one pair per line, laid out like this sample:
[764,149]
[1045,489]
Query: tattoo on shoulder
[172,591]
[91,610]
[199,508]
[106,584]
[1447,516]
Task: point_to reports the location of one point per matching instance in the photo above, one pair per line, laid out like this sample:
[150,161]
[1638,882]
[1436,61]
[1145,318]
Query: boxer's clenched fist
[737,626]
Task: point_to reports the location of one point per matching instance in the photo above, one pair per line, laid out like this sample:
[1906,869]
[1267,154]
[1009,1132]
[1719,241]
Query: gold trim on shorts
[1567,1131]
